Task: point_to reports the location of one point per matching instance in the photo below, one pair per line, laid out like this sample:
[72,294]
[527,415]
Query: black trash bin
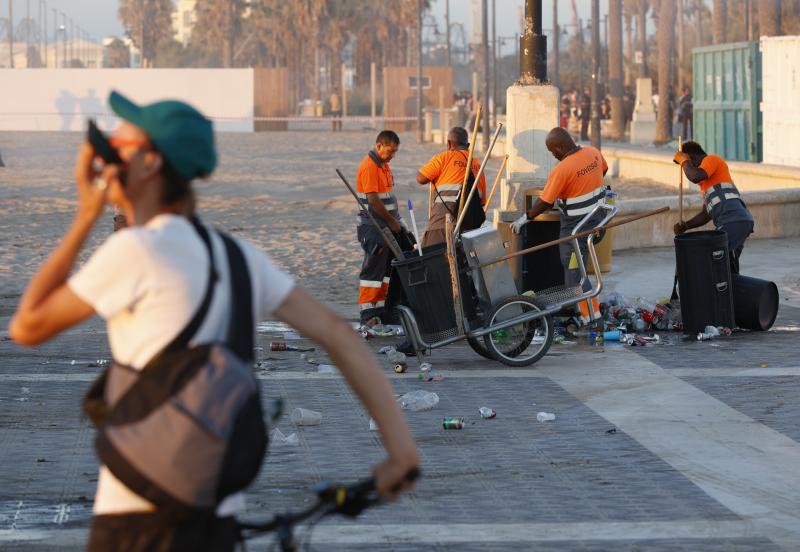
[755,302]
[428,293]
[704,280]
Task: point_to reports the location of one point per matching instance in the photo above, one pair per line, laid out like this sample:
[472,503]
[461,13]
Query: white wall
[62,99]
[780,99]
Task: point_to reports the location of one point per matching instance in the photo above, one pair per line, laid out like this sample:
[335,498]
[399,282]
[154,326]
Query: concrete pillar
[532,111]
[446,125]
[643,126]
[428,134]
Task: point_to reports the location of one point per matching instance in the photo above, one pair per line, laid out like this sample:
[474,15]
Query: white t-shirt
[147,282]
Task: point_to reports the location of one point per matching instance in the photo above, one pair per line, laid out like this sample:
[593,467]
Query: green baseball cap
[183,135]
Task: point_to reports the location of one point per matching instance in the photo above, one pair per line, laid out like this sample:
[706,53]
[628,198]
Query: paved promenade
[679,446]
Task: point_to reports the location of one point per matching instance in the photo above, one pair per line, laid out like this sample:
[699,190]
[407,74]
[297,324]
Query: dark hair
[176,188]
[460,135]
[693,148]
[387,137]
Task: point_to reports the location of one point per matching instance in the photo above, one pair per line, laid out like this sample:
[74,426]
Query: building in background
[183,19]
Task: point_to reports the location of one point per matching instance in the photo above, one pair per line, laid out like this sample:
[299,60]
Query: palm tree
[769,17]
[628,16]
[615,67]
[218,23]
[149,22]
[641,28]
[719,22]
[666,51]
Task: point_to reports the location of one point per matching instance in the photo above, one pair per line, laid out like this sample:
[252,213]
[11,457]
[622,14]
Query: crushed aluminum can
[453,423]
[487,413]
[430,376]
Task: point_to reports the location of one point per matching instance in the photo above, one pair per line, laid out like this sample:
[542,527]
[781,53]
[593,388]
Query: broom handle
[680,186]
[494,186]
[469,157]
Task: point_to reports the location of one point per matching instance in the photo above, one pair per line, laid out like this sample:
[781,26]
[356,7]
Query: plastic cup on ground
[305,417]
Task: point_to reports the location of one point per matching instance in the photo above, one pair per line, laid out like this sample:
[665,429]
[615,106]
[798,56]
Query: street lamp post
[11,33]
[595,73]
[419,71]
[55,37]
[63,31]
[447,30]
[485,26]
[44,32]
[494,62]
[28,34]
[554,77]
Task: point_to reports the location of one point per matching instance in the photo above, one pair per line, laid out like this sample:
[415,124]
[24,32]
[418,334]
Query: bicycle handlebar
[348,501]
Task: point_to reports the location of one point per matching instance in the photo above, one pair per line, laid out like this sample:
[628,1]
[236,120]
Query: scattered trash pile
[380,330]
[638,315]
[633,321]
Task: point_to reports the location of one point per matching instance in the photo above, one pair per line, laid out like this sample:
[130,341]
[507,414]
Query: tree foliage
[149,25]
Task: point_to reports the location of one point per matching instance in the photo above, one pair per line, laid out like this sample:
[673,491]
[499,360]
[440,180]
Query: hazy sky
[99,17]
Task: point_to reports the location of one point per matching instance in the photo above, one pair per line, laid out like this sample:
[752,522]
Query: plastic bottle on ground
[419,400]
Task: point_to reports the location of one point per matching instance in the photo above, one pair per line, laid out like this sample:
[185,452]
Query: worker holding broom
[722,202]
[446,174]
[576,186]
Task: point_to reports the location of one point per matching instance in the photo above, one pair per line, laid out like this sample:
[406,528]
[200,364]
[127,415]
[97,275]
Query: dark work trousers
[374,276]
[585,129]
[149,532]
[572,272]
[737,234]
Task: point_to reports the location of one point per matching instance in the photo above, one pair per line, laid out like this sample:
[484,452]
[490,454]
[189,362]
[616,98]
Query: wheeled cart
[483,304]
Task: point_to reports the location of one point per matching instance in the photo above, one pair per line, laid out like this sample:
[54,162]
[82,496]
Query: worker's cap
[177,130]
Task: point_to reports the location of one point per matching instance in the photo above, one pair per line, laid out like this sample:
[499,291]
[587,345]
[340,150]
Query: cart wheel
[525,342]
[479,346]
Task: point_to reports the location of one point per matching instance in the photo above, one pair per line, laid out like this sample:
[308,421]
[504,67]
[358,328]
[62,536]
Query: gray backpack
[187,430]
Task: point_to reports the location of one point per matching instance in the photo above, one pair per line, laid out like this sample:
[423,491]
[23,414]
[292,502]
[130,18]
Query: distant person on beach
[166,276]
[336,109]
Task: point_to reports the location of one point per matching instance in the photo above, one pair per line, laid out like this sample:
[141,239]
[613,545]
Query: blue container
[613,335]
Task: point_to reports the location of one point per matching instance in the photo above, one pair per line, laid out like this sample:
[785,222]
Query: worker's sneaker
[406,348]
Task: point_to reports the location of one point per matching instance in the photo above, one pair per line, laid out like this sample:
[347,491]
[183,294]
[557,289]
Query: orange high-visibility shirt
[447,168]
[717,170]
[372,178]
[577,174]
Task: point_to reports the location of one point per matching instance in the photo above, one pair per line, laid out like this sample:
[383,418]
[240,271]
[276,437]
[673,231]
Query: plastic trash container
[704,280]
[755,302]
[428,292]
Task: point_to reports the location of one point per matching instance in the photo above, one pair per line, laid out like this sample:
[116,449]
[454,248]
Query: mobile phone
[101,145]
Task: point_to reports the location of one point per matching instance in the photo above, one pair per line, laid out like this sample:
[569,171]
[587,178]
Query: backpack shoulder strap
[182,339]
[241,328]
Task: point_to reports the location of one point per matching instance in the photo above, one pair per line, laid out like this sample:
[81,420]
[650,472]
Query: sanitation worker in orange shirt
[722,202]
[374,183]
[576,186]
[445,172]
